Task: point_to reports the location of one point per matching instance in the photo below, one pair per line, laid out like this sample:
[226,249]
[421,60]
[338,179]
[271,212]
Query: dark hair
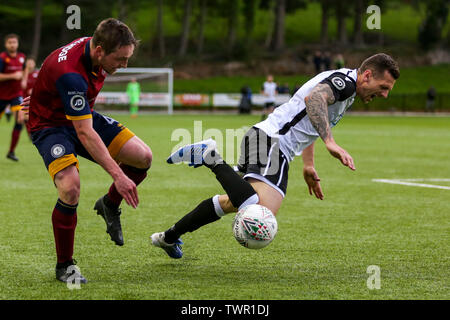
[379,63]
[11,36]
[112,34]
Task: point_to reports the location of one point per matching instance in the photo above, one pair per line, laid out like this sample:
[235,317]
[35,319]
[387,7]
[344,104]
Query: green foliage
[430,31]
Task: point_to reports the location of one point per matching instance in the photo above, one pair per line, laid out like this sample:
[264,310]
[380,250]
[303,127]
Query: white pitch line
[412,184]
[435,180]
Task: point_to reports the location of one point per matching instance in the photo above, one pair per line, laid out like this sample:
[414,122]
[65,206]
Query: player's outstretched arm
[317,102]
[309,172]
[97,149]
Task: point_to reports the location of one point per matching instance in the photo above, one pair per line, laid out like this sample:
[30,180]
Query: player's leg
[135,159]
[15,136]
[64,220]
[3,107]
[211,210]
[240,192]
[264,112]
[57,151]
[17,129]
[133,110]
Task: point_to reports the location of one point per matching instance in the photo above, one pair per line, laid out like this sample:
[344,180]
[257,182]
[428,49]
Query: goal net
[156,89]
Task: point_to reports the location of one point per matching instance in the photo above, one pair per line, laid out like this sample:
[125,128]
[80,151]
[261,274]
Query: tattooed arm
[317,109]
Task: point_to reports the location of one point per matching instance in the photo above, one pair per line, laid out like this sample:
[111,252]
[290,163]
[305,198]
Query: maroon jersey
[11,89]
[66,87]
[32,78]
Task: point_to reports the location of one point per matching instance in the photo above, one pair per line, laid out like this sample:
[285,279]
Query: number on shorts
[109,120]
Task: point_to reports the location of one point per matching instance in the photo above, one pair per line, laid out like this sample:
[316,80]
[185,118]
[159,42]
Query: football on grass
[255,226]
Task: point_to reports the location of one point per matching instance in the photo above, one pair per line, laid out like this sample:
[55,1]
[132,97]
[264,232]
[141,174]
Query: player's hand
[23,113]
[26,102]
[312,180]
[339,153]
[127,189]
[17,75]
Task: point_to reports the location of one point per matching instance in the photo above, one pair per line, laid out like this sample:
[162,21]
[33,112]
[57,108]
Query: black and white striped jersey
[290,122]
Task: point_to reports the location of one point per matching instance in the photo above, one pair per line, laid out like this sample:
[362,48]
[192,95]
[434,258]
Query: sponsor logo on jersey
[58,151]
[77,102]
[338,83]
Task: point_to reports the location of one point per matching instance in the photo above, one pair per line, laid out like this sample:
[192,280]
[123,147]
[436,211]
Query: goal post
[156,87]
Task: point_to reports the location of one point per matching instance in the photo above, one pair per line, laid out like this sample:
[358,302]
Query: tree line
[43,23]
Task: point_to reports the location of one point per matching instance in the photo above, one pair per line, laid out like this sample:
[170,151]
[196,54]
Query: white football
[255,226]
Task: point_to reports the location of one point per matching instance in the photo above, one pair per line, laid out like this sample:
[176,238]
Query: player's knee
[147,157]
[67,182]
[71,194]
[227,206]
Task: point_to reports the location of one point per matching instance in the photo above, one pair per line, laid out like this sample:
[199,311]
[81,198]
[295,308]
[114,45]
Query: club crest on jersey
[58,151]
[77,102]
[21,60]
[338,83]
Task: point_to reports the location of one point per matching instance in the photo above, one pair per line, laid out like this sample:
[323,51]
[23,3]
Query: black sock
[203,214]
[237,189]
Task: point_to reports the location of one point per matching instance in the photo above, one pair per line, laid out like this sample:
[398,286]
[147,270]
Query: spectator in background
[339,61]
[326,60]
[283,89]
[245,106]
[431,97]
[133,92]
[317,60]
[269,90]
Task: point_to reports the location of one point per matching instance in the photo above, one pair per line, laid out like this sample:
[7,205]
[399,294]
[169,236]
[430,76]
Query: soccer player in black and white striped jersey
[269,146]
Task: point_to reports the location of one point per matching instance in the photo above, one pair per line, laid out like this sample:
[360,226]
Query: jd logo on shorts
[338,83]
[58,151]
[77,102]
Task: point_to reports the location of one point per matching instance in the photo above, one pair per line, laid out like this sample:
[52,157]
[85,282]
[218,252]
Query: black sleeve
[343,86]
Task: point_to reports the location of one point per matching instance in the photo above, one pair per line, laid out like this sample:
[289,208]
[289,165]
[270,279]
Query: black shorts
[262,159]
[60,146]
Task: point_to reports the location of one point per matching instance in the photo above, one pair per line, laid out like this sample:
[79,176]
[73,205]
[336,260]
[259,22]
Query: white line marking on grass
[413,184]
[437,180]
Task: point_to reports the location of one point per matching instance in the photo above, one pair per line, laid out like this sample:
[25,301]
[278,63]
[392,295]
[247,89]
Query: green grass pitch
[322,249]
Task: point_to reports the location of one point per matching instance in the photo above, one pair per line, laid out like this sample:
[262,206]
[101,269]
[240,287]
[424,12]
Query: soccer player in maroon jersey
[27,87]
[12,64]
[64,125]
[30,80]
